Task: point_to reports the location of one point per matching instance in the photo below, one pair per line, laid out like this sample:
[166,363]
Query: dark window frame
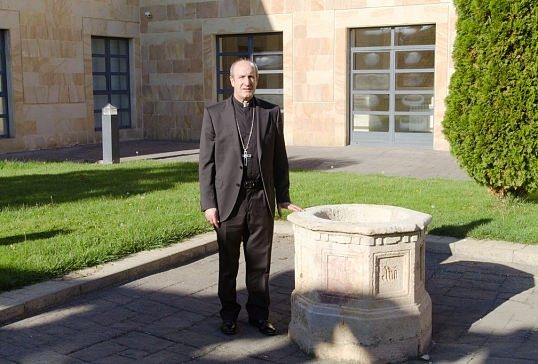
[124,112]
[4,94]
[225,90]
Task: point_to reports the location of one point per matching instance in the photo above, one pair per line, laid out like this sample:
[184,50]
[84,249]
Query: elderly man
[243,171]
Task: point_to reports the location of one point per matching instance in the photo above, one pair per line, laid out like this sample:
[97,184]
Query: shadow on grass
[319,164]
[458,231]
[21,238]
[15,278]
[531,198]
[43,189]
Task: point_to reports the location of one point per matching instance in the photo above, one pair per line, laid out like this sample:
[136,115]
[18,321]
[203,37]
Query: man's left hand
[289,206]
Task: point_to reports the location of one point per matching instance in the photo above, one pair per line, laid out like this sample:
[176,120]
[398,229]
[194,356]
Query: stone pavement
[162,307]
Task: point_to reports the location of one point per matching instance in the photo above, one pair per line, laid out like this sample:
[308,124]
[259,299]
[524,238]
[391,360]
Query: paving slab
[482,311]
[162,306]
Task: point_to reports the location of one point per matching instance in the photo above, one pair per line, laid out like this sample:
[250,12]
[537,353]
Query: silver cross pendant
[245,156]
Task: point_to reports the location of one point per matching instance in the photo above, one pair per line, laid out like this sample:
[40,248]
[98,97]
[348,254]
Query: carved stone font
[360,283]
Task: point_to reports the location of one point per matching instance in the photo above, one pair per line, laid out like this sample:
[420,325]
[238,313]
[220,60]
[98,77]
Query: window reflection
[271,81]
[415,35]
[371,81]
[414,123]
[371,123]
[377,102]
[234,44]
[371,37]
[393,79]
[415,59]
[268,62]
[226,62]
[415,81]
[371,61]
[268,43]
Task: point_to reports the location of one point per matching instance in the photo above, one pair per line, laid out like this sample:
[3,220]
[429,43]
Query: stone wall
[180,68]
[174,62]
[51,69]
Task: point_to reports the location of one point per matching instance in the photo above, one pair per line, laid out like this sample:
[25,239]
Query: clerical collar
[244,103]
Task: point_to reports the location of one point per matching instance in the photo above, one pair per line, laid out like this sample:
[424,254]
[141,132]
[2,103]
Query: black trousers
[252,224]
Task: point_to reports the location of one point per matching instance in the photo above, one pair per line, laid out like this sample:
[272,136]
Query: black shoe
[228,327]
[264,326]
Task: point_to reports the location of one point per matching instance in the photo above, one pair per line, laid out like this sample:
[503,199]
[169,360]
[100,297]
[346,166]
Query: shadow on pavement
[172,317]
[474,311]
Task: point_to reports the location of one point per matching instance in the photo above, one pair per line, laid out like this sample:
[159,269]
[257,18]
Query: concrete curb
[32,299]
[484,250]
[29,300]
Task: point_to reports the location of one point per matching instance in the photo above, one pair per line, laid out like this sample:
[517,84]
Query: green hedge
[491,120]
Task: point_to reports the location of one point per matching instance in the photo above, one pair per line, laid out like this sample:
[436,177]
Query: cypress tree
[491,121]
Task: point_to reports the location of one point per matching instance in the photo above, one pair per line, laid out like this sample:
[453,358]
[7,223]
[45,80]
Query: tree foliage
[491,120]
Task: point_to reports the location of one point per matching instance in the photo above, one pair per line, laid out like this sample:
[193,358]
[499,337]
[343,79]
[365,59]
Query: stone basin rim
[393,219]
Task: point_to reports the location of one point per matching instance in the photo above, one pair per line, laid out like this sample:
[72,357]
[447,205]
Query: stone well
[359,283]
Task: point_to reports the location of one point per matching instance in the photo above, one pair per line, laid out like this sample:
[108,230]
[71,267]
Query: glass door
[392,86]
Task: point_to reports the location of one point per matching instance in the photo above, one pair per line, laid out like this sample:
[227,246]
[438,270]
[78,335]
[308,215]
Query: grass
[459,208]
[59,217]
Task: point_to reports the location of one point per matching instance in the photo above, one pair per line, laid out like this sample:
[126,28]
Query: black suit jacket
[221,163]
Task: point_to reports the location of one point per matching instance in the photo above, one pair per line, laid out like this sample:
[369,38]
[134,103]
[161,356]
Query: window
[266,50]
[111,80]
[392,83]
[4,115]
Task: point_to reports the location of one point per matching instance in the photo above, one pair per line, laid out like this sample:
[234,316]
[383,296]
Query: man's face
[244,81]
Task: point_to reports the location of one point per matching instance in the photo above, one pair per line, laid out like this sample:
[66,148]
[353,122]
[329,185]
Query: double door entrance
[392,86]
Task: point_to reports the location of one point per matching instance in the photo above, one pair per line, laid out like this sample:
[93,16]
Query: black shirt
[246,120]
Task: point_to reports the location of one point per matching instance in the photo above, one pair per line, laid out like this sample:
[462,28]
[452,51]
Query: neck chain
[246,155]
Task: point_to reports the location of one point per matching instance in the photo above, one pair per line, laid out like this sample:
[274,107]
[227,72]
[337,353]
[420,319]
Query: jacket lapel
[262,121]
[228,119]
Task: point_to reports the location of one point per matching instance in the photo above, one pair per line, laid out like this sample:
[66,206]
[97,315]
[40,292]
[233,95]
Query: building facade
[345,72]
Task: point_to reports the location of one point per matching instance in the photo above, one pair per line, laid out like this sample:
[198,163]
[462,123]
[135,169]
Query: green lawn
[59,217]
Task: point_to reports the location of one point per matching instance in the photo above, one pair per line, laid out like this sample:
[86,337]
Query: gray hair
[253,64]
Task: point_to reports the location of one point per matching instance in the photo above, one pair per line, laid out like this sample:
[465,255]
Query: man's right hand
[212,216]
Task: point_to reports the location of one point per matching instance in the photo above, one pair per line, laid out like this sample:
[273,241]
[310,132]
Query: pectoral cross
[245,156]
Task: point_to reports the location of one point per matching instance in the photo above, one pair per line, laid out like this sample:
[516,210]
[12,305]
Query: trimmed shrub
[491,120]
